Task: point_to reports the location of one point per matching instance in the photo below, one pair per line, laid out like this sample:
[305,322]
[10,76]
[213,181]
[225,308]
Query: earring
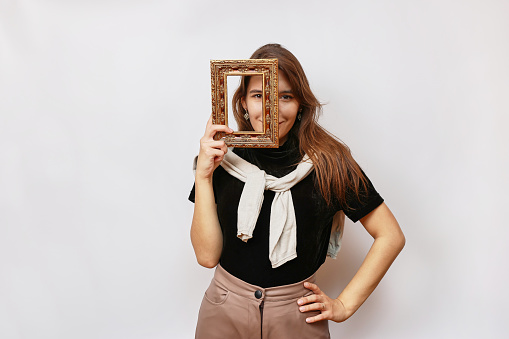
[246,115]
[299,116]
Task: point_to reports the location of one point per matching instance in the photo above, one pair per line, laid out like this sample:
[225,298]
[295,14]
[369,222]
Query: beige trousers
[232,308]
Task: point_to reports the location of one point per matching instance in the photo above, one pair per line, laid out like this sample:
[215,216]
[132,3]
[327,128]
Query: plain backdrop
[103,103]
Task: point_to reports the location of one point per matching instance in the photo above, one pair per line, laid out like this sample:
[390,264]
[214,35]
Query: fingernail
[301,309]
[299,302]
[308,320]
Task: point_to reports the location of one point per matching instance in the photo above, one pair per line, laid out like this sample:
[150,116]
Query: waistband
[270,294]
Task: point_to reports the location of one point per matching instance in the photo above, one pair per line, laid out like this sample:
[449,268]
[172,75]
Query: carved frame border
[268,68]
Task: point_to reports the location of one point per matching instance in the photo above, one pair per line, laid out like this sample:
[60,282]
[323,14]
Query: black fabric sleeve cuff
[358,207]
[373,203]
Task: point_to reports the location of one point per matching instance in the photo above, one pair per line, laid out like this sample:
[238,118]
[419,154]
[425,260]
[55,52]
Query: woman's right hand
[211,151]
[206,234]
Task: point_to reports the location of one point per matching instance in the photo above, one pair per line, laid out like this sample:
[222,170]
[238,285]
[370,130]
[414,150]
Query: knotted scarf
[283,225]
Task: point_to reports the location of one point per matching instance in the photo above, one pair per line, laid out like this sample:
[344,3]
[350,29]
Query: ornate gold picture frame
[268,68]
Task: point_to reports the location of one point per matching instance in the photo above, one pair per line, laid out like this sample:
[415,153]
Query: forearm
[206,235]
[378,260]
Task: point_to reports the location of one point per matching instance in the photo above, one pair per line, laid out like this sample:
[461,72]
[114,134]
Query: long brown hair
[336,170]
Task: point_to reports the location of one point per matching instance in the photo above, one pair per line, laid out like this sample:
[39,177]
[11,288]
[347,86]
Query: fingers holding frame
[211,151]
[211,129]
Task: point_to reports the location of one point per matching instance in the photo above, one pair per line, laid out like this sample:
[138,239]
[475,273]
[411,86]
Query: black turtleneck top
[249,260]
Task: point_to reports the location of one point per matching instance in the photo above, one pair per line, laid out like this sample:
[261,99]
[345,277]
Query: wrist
[202,180]
[348,308]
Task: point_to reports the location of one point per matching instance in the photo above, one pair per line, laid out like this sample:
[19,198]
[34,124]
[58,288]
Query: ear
[243,102]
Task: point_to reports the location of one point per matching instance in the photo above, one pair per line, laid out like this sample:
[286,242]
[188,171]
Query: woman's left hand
[331,309]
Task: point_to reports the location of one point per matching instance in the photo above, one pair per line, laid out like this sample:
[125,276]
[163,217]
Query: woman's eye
[286,97]
[257,96]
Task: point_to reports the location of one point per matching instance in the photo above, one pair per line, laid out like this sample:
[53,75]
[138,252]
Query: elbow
[400,241]
[395,241]
[207,262]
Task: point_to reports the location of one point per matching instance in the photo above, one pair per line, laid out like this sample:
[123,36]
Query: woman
[264,288]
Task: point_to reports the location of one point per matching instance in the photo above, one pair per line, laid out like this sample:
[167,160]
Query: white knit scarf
[283,225]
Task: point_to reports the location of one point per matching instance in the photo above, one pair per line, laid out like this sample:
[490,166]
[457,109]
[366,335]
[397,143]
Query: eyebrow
[256,91]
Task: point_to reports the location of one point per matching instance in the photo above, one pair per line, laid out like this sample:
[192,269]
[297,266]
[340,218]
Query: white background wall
[102,104]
